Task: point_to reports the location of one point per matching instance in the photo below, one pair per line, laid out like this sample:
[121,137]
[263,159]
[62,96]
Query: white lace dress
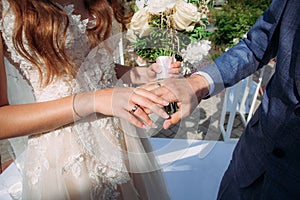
[92,159]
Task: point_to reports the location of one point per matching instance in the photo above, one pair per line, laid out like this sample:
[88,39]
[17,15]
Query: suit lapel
[296,49]
[297,65]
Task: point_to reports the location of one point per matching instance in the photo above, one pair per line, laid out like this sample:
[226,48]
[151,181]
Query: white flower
[195,52]
[158,6]
[139,23]
[185,16]
[140,4]
[236,40]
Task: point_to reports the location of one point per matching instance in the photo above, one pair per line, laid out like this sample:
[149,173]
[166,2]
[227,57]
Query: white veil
[142,165]
[19,92]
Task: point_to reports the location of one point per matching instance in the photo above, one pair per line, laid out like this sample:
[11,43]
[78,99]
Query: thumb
[174,119]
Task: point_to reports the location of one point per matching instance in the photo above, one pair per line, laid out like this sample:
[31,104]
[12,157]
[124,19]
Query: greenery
[234,20]
[261,4]
[164,40]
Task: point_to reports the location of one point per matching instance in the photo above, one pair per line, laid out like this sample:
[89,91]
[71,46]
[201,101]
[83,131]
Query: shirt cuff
[208,79]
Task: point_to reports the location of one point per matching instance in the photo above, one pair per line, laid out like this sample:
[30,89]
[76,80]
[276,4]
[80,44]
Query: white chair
[239,99]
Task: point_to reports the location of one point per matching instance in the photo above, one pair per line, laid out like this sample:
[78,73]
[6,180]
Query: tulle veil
[142,164]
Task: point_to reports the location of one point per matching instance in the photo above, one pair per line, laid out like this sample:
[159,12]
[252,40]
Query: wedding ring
[134,108]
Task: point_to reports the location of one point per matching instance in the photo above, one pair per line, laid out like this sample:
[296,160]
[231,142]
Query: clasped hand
[135,104]
[187,92]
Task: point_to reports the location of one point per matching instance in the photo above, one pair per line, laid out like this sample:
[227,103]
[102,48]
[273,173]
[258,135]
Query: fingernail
[166,103]
[166,116]
[154,125]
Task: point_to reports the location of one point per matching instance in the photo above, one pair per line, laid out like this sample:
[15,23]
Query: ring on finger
[134,108]
[158,84]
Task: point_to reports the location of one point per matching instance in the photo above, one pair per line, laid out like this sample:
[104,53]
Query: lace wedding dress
[95,158]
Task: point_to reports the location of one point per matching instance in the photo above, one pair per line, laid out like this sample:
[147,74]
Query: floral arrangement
[171,27]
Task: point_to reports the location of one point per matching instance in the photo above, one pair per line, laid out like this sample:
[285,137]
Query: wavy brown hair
[44,26]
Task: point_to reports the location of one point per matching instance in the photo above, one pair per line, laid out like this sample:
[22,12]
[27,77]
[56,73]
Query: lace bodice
[86,154]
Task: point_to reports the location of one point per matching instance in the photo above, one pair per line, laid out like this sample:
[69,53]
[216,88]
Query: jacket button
[277,152]
[297,111]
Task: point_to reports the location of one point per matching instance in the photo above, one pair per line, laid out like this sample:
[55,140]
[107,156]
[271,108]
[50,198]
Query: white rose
[157,6]
[140,4]
[195,52]
[139,23]
[185,16]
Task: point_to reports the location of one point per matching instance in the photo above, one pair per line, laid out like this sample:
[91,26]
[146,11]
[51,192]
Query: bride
[74,147]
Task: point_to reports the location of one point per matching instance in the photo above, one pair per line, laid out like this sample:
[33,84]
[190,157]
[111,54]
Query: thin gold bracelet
[73,106]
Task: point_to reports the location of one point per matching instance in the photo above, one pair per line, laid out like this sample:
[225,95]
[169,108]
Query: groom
[266,160]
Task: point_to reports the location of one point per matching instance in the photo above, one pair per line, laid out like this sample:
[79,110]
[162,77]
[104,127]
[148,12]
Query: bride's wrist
[102,101]
[83,105]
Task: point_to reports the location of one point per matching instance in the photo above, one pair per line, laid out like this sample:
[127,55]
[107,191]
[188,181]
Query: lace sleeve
[4,5]
[98,69]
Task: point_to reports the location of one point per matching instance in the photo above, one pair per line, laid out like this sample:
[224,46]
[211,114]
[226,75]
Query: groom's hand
[187,92]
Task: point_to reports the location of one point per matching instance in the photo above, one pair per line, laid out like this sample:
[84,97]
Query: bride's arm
[28,119]
[140,75]
[19,120]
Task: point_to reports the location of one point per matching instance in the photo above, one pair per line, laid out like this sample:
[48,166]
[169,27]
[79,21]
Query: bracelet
[73,107]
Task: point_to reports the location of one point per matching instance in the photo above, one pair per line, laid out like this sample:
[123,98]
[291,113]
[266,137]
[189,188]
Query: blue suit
[266,160]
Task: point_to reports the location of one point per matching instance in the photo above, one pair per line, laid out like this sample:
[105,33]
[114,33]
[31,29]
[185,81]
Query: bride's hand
[142,75]
[131,104]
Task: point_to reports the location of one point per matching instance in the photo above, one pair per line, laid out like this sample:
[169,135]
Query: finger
[147,110]
[174,71]
[146,103]
[176,64]
[165,93]
[147,95]
[175,75]
[149,86]
[125,114]
[160,91]
[150,106]
[143,116]
[174,119]
[133,120]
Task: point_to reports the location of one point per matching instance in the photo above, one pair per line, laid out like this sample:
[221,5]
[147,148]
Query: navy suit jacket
[270,145]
